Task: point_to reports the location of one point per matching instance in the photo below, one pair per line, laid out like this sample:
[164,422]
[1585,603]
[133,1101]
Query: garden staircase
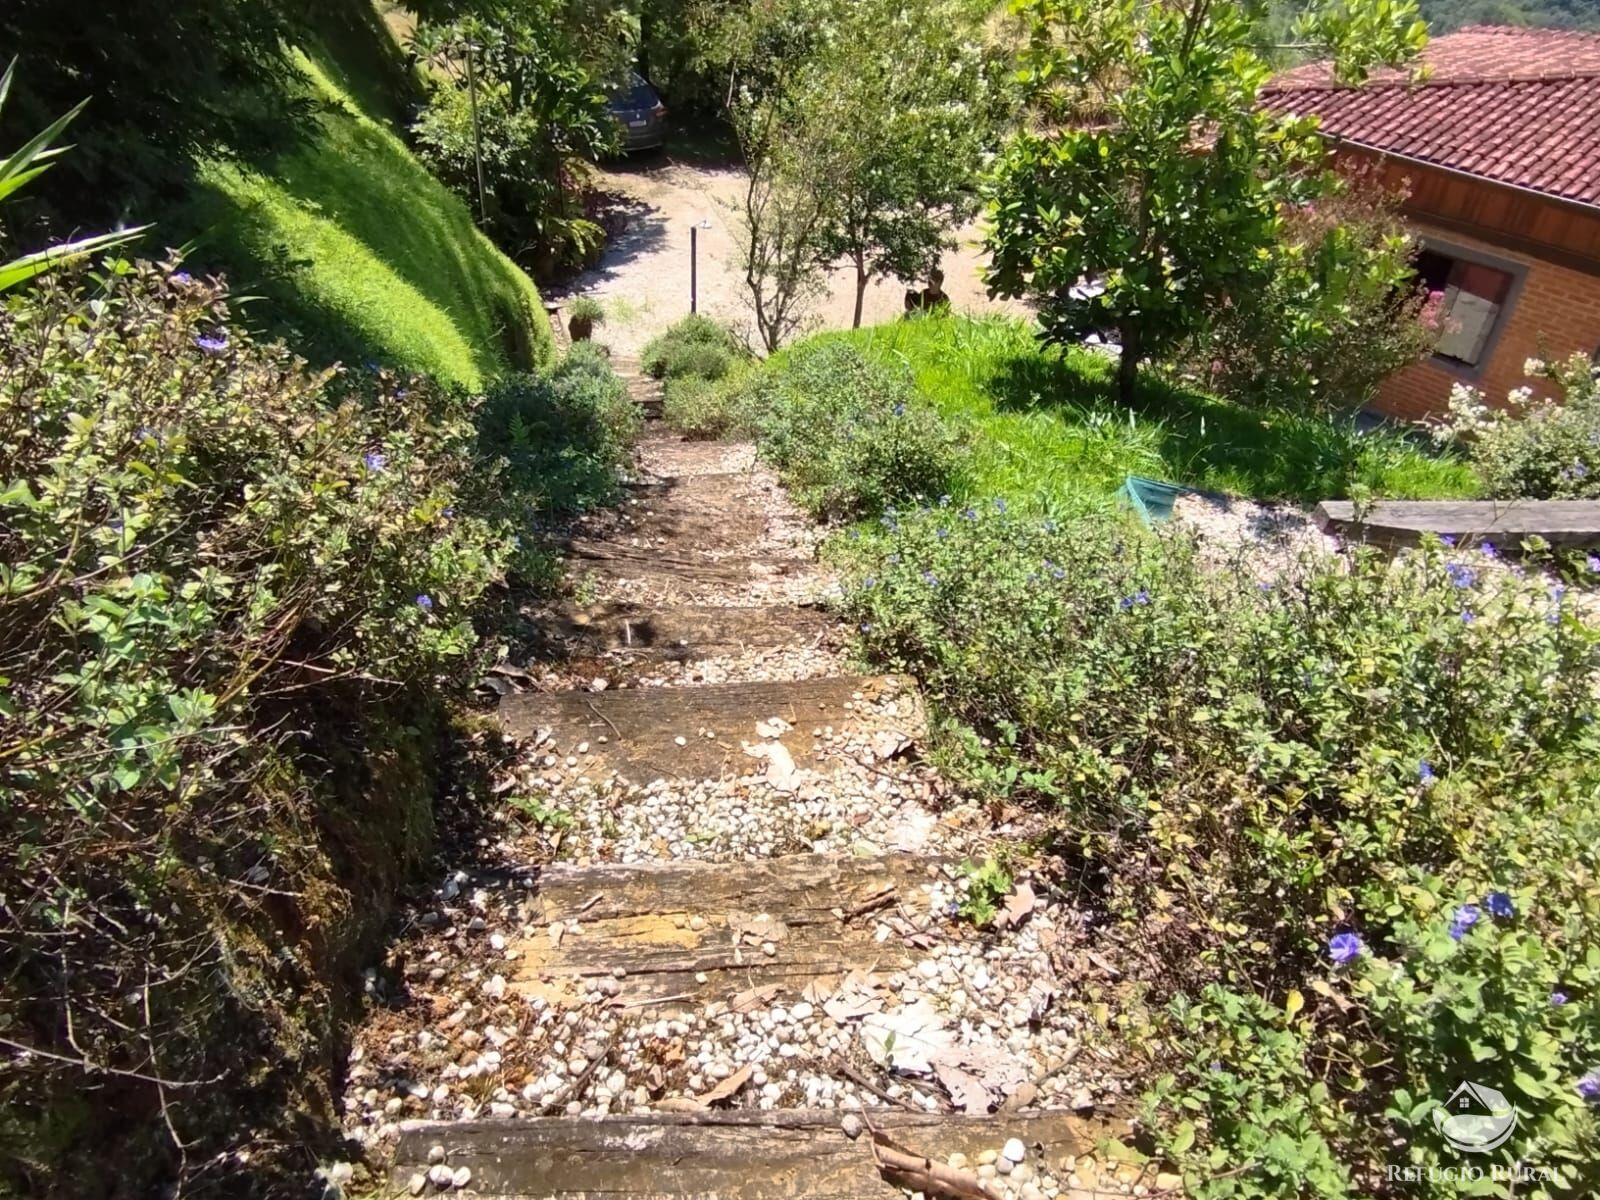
[691,574]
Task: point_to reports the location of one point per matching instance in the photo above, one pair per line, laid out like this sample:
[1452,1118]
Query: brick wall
[1558,305]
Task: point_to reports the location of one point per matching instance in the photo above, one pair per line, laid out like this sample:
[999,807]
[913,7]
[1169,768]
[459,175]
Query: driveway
[643,278]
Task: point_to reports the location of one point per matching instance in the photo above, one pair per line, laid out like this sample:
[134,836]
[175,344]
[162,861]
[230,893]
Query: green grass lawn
[1047,425]
[358,253]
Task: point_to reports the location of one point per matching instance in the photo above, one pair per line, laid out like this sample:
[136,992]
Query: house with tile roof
[1496,146]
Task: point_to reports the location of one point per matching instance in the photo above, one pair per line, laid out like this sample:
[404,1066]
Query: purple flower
[374,460]
[1464,919]
[1462,577]
[1558,998]
[999,504]
[1344,947]
[870,582]
[970,514]
[182,278]
[1447,539]
[929,578]
[866,627]
[1466,616]
[1593,562]
[900,409]
[1425,772]
[217,343]
[942,533]
[448,512]
[1499,905]
[1589,1086]
[425,603]
[1488,549]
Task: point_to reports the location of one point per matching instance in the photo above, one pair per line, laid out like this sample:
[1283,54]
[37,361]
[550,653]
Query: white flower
[1534,366]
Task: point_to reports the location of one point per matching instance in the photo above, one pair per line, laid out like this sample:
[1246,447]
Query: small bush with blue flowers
[234,592]
[1353,809]
[850,437]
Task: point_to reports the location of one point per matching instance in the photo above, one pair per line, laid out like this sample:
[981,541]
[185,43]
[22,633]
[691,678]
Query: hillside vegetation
[361,254]
[1444,16]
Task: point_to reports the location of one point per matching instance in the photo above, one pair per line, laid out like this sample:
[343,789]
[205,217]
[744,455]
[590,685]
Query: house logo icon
[1476,1119]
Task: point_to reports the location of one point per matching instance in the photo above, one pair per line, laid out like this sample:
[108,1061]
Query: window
[1471,298]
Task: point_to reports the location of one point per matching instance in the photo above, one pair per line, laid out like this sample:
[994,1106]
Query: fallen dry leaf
[966,1091]
[1018,905]
[729,1087]
[856,997]
[756,997]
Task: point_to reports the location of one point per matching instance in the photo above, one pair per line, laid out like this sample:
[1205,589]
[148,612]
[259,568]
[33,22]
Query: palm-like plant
[27,164]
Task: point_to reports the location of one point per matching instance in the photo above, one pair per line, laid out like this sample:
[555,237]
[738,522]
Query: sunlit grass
[357,253]
[1046,424]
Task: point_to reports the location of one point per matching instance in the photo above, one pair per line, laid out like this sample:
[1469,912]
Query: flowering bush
[230,589]
[1348,816]
[849,436]
[1534,447]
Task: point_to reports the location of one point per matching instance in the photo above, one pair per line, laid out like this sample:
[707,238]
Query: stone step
[678,633]
[679,935]
[711,731]
[752,1155]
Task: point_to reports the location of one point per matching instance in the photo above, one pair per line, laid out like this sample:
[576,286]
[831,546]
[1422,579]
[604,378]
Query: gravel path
[934,1016]
[643,277]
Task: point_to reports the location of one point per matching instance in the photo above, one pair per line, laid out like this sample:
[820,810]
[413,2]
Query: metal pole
[694,250]
[477,136]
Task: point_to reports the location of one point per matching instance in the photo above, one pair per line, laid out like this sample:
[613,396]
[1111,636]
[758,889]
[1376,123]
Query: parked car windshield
[635,93]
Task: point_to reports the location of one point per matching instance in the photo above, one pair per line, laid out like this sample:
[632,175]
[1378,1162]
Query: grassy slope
[359,253]
[1049,425]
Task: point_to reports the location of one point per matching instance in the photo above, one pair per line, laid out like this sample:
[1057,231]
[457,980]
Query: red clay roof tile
[1518,106]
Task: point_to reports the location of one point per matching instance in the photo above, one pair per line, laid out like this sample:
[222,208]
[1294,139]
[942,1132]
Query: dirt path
[643,278]
[711,939]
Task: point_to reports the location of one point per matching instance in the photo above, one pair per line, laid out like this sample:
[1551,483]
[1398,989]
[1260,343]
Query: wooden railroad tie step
[677,632]
[738,1155]
[680,935]
[713,731]
[1507,523]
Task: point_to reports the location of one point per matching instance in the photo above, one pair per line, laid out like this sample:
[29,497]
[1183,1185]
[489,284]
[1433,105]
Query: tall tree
[905,103]
[1151,169]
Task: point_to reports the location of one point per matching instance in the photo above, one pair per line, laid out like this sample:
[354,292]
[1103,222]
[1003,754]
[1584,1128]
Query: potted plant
[583,316]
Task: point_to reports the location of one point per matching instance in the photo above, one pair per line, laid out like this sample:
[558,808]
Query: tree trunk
[861,289]
[1128,364]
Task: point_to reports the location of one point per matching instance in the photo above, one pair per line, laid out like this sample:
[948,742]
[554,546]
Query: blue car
[638,109]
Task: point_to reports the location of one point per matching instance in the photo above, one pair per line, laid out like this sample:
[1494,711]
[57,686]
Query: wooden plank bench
[1574,524]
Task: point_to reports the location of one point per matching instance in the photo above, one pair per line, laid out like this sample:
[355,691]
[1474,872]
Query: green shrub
[850,437]
[1336,312]
[706,408]
[1535,447]
[696,360]
[563,435]
[695,330]
[234,590]
[1403,752]
[587,308]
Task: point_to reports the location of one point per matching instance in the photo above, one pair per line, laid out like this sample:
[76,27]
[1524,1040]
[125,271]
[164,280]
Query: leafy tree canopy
[1151,184]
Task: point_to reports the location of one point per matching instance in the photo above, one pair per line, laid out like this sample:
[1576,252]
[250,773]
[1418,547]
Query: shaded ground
[643,278]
